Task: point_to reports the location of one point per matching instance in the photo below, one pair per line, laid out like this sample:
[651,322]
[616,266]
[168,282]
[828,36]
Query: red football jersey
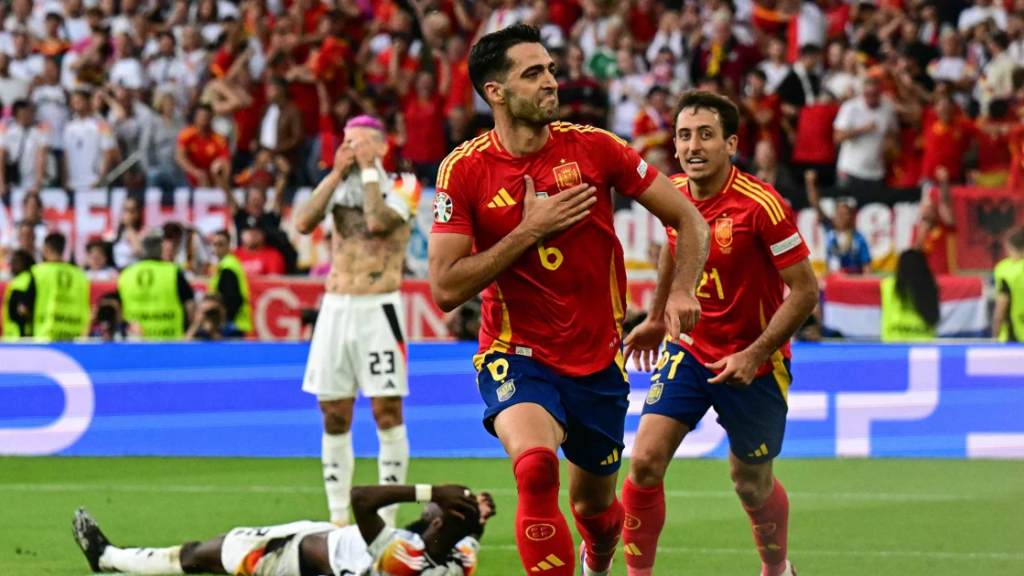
[562,303]
[754,235]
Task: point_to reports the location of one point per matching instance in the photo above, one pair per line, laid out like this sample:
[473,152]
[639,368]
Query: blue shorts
[592,409]
[754,417]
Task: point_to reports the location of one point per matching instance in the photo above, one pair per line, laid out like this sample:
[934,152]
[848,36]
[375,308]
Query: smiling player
[737,358]
[524,214]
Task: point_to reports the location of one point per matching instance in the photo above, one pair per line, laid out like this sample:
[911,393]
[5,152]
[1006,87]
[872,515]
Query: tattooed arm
[313,212]
[380,219]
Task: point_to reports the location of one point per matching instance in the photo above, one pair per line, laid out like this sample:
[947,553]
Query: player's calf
[542,534]
[766,503]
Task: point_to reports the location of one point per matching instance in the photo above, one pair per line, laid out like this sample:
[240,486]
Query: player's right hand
[682,311]
[643,343]
[545,216]
[456,499]
[343,158]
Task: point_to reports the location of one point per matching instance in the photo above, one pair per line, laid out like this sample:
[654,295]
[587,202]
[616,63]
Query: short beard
[528,112]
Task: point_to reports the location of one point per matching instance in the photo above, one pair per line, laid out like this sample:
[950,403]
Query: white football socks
[392,465]
[339,463]
[142,560]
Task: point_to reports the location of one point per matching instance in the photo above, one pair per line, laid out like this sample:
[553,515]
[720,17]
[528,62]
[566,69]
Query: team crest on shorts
[655,393]
[442,207]
[568,175]
[506,390]
[723,234]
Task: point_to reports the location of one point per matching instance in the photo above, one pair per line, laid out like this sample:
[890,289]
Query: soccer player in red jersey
[524,214]
[737,358]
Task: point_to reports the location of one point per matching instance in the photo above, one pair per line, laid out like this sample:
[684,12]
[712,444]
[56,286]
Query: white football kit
[274,551]
[358,342]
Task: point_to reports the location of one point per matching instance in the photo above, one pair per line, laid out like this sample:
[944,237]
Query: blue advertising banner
[244,399]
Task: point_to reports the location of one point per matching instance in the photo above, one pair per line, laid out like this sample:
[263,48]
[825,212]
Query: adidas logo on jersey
[548,563]
[501,200]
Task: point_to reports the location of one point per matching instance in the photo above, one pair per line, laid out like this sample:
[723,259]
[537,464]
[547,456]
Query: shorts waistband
[362,299]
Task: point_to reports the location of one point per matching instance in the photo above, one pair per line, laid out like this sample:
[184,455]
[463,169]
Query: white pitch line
[797,552]
[242,489]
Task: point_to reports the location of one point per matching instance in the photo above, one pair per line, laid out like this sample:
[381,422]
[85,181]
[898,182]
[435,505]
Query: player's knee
[537,472]
[197,558]
[646,469]
[337,417]
[387,413]
[752,483]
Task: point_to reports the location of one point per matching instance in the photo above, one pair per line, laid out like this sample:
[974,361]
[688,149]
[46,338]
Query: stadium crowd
[850,100]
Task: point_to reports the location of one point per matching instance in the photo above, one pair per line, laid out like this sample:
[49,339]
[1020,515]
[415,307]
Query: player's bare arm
[681,310]
[380,220]
[314,210]
[367,500]
[739,369]
[456,275]
[642,342]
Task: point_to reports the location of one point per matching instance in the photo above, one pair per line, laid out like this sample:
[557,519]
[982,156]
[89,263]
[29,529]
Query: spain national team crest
[568,175]
[655,393]
[442,207]
[723,234]
[506,390]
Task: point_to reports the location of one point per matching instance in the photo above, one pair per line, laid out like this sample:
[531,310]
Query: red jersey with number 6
[753,236]
[562,303]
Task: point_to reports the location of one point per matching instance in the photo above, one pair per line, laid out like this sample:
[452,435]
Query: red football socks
[645,518]
[600,535]
[771,526]
[542,534]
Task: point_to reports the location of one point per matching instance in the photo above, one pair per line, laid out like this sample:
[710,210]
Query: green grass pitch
[849,517]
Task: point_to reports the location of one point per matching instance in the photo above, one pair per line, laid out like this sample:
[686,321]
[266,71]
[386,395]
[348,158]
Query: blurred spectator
[89,146]
[98,264]
[934,232]
[814,132]
[202,153]
[581,97]
[211,322]
[423,123]
[724,56]
[846,250]
[626,95]
[51,103]
[654,125]
[846,79]
[24,151]
[463,323]
[107,324]
[979,13]
[862,127]
[230,283]
[910,301]
[158,144]
[997,76]
[802,86]
[946,140]
[766,167]
[11,89]
[127,239]
[1008,316]
[184,246]
[281,127]
[257,258]
[775,67]
[762,115]
[24,64]
[254,214]
[29,232]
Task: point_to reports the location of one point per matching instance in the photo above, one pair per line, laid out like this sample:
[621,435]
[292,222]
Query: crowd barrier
[244,399]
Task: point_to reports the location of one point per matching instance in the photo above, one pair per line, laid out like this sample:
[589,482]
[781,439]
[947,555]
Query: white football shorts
[358,344]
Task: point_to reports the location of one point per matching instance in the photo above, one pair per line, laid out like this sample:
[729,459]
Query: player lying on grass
[443,542]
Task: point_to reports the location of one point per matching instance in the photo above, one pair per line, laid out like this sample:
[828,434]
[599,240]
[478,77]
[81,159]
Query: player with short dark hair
[524,214]
[443,542]
[737,358]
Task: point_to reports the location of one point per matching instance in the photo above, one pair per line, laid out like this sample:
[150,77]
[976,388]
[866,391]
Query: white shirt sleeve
[844,120]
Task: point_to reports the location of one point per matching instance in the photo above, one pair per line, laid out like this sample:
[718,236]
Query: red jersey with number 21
[562,303]
[753,236]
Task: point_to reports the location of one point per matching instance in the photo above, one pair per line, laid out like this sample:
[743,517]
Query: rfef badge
[723,234]
[567,176]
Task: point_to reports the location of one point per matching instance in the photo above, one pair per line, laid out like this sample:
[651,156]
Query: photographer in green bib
[1008,318]
[910,301]
[56,299]
[229,282]
[155,296]
[16,322]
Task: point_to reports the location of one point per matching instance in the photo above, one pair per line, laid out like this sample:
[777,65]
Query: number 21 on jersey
[716,279]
